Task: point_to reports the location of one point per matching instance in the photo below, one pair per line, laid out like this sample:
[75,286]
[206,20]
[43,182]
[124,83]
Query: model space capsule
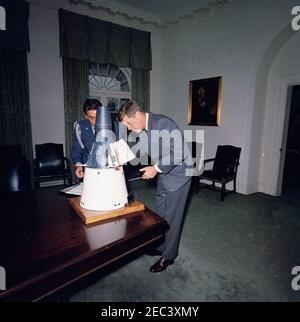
[104,187]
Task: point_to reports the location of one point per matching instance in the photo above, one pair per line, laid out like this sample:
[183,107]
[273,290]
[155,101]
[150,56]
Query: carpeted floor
[242,249]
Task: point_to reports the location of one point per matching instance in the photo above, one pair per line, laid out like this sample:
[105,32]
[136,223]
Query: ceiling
[155,12]
[162,8]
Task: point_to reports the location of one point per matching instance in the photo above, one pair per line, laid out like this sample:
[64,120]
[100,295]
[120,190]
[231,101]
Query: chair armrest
[35,167]
[233,166]
[209,160]
[67,162]
[236,164]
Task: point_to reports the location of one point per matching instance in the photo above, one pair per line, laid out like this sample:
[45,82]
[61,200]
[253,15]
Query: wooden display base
[91,216]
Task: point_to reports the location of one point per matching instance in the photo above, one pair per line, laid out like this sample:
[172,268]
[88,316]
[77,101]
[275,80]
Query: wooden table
[45,246]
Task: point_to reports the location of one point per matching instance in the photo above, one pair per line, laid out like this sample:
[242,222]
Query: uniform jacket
[82,141]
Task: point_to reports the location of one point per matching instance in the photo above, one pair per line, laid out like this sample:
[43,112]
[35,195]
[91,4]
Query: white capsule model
[104,187]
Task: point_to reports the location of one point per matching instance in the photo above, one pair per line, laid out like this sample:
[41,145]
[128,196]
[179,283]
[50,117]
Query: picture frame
[205,101]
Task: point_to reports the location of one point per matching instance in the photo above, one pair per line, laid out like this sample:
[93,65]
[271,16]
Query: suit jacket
[173,175]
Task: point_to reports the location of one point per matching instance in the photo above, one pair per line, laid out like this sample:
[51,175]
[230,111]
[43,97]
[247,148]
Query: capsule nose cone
[98,157]
[103,119]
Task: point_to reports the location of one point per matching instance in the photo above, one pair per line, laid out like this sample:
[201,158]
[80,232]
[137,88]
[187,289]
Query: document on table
[73,190]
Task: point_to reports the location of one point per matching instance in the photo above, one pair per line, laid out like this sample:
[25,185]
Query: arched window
[110,84]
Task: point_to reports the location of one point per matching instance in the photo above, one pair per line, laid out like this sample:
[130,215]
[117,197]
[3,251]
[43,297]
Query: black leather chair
[224,169]
[50,164]
[14,170]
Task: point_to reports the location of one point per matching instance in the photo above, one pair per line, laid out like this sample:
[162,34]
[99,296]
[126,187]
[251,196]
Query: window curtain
[98,41]
[15,124]
[140,83]
[76,90]
[141,65]
[84,39]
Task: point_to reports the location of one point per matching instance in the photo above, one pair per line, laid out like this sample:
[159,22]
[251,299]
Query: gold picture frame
[205,101]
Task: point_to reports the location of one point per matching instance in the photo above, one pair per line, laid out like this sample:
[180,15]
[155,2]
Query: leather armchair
[14,169]
[50,164]
[225,166]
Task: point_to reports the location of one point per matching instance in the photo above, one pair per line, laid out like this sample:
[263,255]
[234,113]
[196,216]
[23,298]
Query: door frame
[286,90]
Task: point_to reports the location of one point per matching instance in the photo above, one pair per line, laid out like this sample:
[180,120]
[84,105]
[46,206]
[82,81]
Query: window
[110,84]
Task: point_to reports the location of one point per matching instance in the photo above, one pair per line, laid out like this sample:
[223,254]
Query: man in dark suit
[172,182]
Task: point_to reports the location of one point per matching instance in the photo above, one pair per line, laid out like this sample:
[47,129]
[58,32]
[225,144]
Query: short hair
[91,104]
[129,109]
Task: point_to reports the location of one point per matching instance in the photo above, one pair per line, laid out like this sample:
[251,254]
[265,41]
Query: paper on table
[73,190]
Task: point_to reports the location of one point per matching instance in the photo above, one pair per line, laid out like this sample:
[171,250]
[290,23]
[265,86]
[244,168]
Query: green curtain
[73,32]
[118,52]
[141,54]
[103,42]
[15,124]
[140,91]
[76,90]
[16,34]
[98,40]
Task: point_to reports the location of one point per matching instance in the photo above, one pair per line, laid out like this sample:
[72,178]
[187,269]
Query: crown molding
[190,10]
[199,8]
[115,8]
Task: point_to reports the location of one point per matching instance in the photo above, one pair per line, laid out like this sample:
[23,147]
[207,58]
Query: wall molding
[144,17]
[127,12]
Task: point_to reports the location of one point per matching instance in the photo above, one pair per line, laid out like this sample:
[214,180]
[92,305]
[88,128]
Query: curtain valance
[94,40]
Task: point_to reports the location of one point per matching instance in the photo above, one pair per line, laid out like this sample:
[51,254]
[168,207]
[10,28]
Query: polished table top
[43,240]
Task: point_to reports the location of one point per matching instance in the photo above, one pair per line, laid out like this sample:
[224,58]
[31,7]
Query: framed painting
[205,101]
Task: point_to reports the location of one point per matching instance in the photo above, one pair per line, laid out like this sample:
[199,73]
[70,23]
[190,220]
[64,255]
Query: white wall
[45,66]
[45,77]
[229,41]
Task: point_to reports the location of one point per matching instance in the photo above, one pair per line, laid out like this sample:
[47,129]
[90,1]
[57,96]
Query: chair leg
[223,192]
[197,184]
[234,186]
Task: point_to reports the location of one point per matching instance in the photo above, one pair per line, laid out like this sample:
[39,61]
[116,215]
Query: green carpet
[242,249]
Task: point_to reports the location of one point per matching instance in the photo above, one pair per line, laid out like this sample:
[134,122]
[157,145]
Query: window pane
[106,77]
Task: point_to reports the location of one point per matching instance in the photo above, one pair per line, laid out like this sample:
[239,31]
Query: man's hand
[149,172]
[79,171]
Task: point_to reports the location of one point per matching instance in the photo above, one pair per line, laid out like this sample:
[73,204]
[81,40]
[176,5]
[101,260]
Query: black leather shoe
[160,265]
[154,252]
